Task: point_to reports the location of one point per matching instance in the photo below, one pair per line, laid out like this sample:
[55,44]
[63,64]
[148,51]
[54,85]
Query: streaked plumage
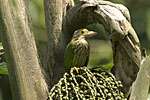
[77,51]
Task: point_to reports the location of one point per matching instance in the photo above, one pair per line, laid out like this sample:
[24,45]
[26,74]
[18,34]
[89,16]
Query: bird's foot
[76,69]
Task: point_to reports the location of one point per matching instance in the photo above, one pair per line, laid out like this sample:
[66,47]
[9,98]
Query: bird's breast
[81,52]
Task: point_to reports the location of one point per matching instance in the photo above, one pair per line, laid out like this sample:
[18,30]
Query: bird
[78,49]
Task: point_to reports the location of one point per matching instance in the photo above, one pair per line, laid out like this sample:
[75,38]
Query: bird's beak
[90,34]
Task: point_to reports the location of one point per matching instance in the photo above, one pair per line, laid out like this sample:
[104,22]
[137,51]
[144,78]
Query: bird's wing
[69,56]
[87,59]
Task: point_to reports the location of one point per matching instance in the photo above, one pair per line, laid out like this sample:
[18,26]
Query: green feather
[77,51]
[69,56]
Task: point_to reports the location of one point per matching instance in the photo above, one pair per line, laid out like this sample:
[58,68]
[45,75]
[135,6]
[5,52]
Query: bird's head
[83,33]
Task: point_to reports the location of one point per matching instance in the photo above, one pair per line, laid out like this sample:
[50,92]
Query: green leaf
[3,68]
[1,47]
[76,1]
[109,66]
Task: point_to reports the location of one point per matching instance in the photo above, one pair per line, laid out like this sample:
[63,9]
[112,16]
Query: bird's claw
[76,69]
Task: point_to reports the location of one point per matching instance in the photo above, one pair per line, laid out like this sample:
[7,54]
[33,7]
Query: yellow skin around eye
[83,31]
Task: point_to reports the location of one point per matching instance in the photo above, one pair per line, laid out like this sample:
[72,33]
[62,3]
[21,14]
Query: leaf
[3,68]
[1,47]
[109,66]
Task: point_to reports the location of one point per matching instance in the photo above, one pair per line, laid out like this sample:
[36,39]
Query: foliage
[109,66]
[3,65]
[76,1]
[100,52]
[38,19]
[3,68]
[86,84]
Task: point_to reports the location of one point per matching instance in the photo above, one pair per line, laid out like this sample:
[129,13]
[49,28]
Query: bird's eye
[82,31]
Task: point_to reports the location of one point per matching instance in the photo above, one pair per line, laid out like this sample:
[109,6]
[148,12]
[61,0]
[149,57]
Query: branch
[55,10]
[111,16]
[26,78]
[115,19]
[141,86]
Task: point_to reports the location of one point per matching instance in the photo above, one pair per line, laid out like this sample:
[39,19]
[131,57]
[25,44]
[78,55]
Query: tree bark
[141,86]
[115,19]
[55,10]
[26,78]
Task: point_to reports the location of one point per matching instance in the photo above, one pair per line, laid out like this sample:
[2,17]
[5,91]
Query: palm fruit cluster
[87,85]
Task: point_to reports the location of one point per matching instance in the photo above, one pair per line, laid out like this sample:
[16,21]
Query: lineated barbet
[77,51]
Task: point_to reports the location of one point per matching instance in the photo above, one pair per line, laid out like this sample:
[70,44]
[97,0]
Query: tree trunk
[115,19]
[141,86]
[55,10]
[26,78]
